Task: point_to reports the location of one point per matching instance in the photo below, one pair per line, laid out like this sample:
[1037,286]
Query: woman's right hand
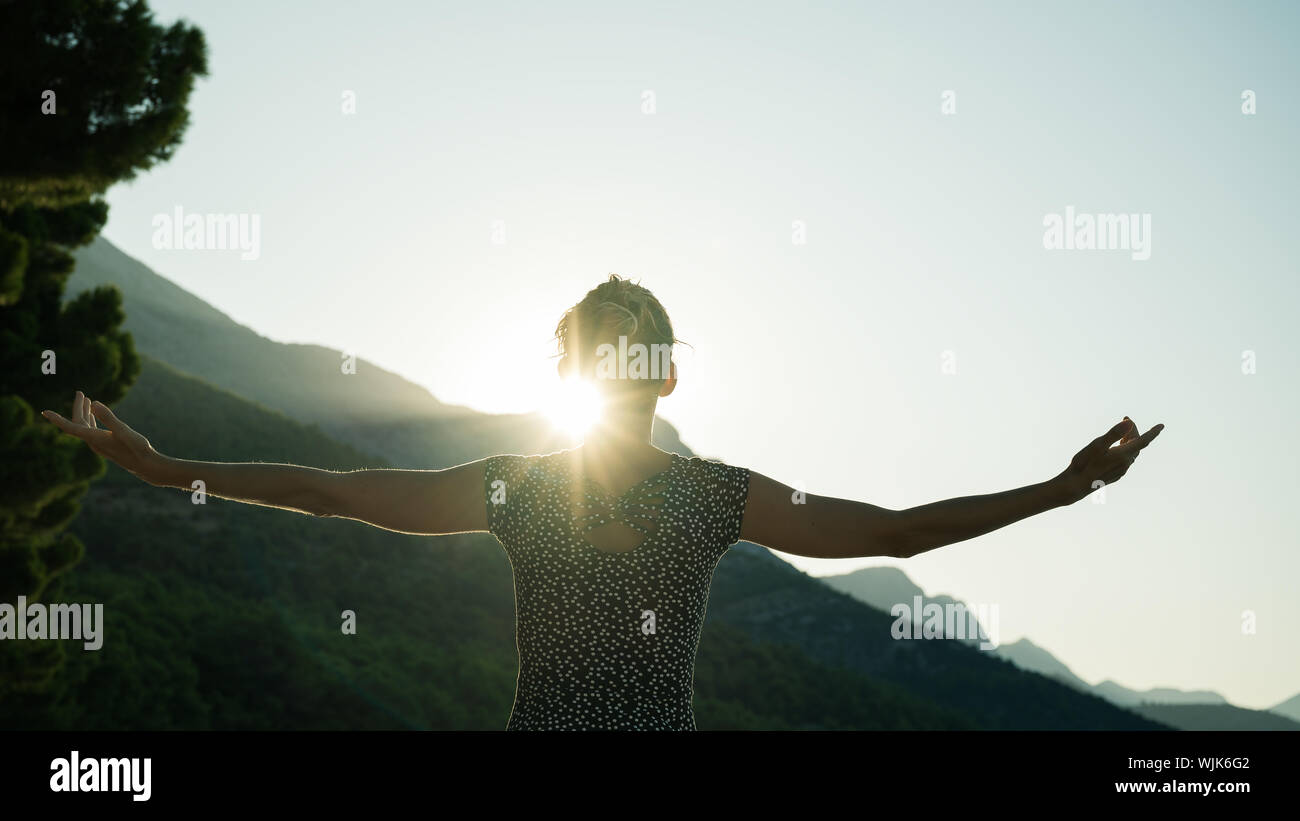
[114,441]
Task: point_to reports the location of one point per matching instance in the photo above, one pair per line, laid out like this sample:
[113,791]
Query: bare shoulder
[713,470]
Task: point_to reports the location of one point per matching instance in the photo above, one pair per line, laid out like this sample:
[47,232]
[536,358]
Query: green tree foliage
[91,92]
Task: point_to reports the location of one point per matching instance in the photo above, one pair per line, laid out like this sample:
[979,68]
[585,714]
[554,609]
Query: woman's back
[607,640]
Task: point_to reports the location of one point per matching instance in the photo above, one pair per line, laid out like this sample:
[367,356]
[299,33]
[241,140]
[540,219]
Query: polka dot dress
[607,640]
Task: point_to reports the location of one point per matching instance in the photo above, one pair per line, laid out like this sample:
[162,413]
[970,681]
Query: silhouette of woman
[612,543]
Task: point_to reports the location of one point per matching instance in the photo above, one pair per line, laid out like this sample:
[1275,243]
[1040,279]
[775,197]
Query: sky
[842,207]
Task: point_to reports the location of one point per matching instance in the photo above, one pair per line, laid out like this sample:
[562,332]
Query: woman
[612,544]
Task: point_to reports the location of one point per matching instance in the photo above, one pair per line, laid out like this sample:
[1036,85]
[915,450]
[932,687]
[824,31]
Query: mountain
[168,321]
[1289,708]
[1029,656]
[786,606]
[885,587]
[1215,717]
[372,409]
[1127,697]
[224,615]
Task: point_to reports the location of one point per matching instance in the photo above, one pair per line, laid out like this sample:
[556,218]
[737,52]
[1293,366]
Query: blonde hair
[616,307]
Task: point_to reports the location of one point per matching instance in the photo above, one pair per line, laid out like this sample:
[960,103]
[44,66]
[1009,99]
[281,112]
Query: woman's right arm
[424,502]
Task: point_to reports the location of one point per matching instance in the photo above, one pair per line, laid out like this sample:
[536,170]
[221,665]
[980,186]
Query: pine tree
[91,92]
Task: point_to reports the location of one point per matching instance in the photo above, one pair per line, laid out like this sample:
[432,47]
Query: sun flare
[574,407]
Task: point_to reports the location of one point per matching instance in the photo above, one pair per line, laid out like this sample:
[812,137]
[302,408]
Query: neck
[622,430]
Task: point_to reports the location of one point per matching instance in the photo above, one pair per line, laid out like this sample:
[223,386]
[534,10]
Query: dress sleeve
[732,489]
[502,477]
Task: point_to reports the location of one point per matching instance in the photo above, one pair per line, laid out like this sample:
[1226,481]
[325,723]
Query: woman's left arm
[828,528]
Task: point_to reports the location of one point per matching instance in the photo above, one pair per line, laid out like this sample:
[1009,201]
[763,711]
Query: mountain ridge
[882,587]
[409,426]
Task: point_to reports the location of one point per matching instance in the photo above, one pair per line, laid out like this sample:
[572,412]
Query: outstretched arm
[828,528]
[426,502]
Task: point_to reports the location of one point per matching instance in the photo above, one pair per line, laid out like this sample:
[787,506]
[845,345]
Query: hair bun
[616,307]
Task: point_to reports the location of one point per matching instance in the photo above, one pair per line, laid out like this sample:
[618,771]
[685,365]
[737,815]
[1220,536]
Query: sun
[574,407]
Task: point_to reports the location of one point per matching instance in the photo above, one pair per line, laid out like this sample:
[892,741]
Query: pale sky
[820,363]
